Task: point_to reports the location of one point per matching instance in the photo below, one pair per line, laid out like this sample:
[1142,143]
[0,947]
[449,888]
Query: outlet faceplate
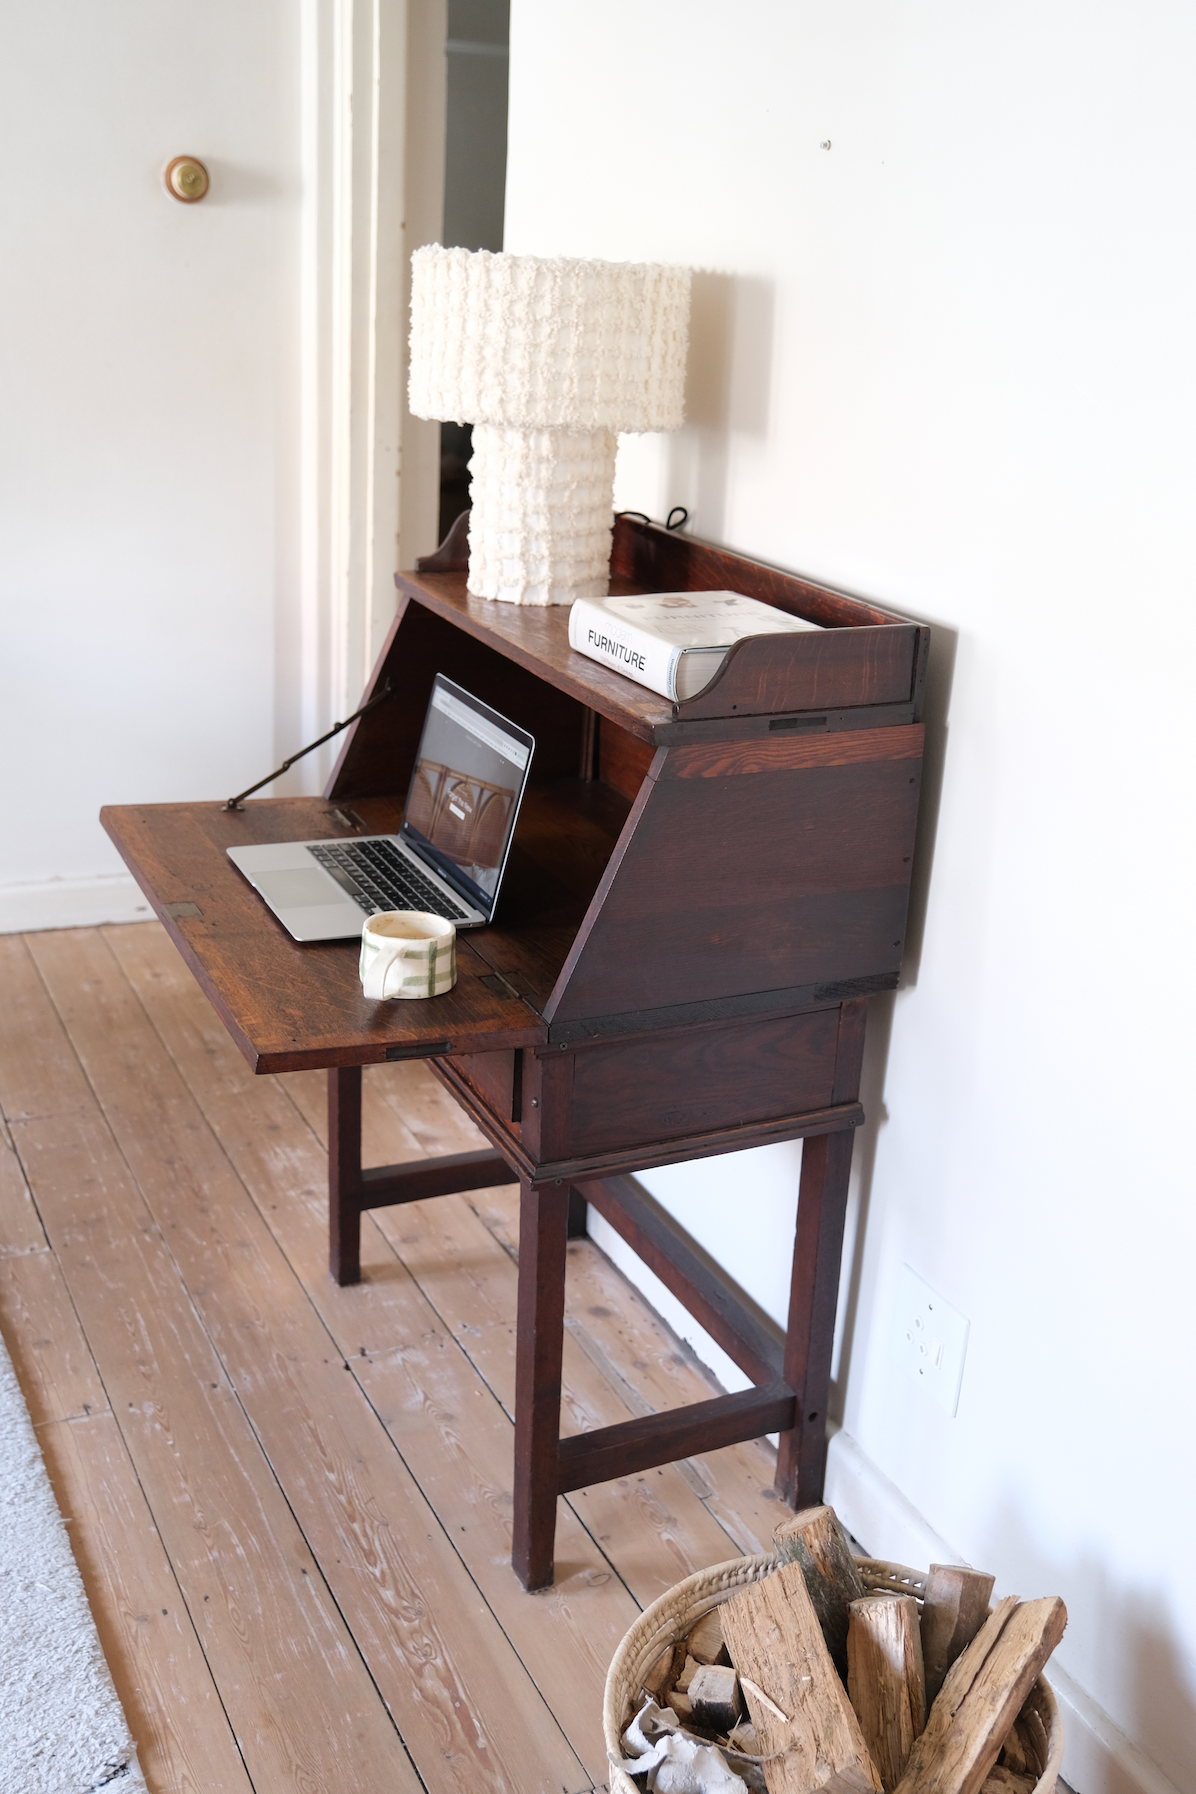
[930,1339]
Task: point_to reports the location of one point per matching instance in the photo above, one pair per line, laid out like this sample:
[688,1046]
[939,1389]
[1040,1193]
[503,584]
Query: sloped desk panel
[752,867]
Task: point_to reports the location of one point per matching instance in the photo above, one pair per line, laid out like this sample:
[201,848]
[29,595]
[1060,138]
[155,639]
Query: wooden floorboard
[291,1503]
[656,1529]
[290,1679]
[451,1433]
[456,1689]
[170,1698]
[145,1630]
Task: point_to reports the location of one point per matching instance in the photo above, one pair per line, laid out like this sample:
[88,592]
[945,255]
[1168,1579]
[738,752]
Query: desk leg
[813,1297]
[344,1173]
[543,1227]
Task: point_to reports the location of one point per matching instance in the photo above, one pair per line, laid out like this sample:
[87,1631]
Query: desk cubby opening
[587,771]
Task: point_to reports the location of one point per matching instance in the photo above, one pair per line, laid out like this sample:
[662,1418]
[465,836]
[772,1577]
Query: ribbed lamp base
[542,512]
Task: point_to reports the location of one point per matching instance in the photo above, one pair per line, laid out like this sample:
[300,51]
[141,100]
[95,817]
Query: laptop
[450,853]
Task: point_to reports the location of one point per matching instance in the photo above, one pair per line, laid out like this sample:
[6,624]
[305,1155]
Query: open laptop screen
[465,791]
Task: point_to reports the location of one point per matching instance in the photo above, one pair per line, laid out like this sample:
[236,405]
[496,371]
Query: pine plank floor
[291,1503]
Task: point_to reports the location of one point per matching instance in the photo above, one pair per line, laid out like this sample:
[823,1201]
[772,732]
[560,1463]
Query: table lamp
[548,359]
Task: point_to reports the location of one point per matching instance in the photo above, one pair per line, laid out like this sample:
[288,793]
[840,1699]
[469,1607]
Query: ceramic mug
[408,953]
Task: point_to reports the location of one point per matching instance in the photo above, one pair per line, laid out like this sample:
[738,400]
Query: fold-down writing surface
[290,1006]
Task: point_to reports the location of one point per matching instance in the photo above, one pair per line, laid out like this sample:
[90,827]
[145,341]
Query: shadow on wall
[728,384]
[1129,1623]
[940,673]
[728,381]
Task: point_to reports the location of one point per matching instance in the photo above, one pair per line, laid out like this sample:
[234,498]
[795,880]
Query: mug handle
[373,983]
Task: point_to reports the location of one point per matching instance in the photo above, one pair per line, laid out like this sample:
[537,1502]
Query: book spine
[621,645]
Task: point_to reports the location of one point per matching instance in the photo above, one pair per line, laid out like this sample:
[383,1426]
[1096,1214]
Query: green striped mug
[408,953]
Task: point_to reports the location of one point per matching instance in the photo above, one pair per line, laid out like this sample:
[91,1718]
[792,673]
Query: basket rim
[697,1594]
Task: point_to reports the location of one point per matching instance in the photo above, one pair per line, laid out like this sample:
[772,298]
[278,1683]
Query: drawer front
[640,1091]
[495,1077]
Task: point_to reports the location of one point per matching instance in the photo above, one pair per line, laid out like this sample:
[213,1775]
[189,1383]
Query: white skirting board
[665,1303]
[1099,1758]
[72,903]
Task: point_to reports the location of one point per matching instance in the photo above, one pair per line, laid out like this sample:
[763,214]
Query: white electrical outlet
[930,1339]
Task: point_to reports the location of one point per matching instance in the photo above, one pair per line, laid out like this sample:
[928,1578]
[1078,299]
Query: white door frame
[373,120]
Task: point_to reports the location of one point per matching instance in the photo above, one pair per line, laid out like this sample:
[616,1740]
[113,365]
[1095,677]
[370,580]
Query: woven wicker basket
[674,1616]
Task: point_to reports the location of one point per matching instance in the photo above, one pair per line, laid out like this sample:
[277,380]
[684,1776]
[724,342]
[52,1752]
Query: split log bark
[884,1657]
[776,1644]
[953,1611]
[981,1696]
[815,1540]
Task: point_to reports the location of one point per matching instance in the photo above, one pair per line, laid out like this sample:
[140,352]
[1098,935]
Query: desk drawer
[496,1078]
[639,1091]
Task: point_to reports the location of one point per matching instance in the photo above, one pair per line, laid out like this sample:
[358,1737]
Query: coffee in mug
[408,953]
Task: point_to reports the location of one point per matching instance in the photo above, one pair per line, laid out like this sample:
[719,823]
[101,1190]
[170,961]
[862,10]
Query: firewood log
[681,1705]
[1017,1752]
[714,1697]
[744,1738]
[705,1642]
[981,1696]
[657,1678]
[1007,1781]
[884,1656]
[953,1611]
[799,1707]
[815,1540]
[683,1677]
[845,1781]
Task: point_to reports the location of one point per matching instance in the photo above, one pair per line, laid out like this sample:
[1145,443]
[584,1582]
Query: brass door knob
[187,179]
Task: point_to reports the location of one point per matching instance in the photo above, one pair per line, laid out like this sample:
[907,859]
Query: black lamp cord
[676,517]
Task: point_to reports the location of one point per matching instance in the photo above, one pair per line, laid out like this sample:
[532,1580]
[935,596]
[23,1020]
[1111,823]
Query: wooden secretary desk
[700,899]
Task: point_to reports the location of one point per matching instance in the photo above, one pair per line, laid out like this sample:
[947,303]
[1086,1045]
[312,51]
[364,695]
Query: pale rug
[62,1730]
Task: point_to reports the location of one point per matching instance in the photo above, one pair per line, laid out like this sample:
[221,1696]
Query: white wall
[946,363]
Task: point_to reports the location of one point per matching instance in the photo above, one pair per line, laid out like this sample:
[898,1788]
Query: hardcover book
[672,642]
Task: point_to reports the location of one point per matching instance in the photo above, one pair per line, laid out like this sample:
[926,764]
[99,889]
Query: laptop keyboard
[384,879]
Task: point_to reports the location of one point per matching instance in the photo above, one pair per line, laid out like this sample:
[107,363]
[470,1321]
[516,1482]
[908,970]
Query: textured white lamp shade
[548,360]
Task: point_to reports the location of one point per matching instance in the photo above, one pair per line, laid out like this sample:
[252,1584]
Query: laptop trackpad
[301,889]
